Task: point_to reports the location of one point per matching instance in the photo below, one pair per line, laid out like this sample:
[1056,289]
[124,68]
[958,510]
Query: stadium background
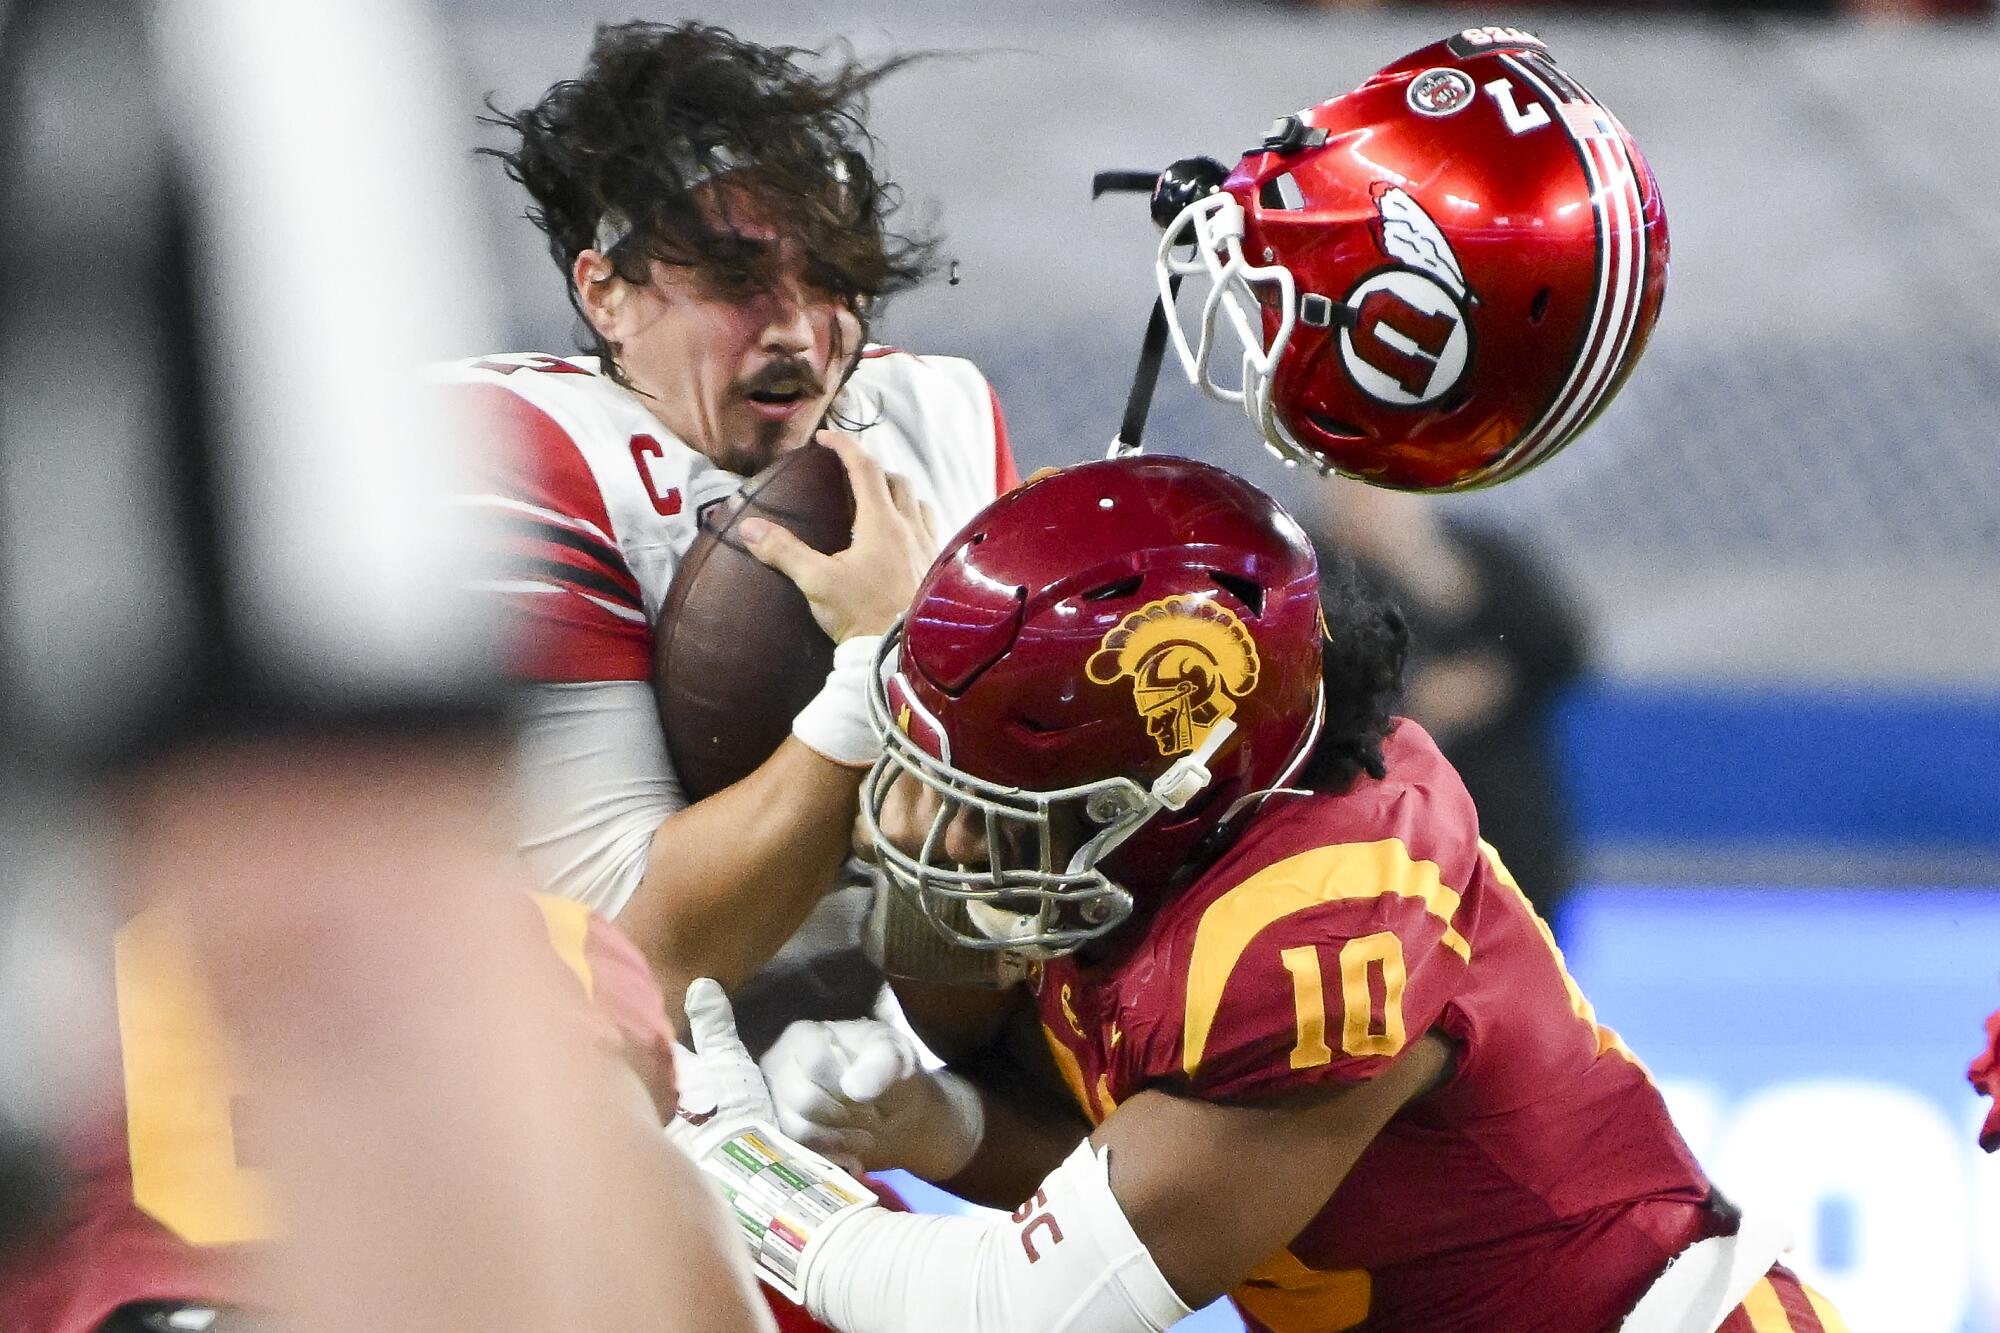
[1787,531]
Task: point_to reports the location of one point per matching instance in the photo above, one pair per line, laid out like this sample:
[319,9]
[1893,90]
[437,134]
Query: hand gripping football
[737,653]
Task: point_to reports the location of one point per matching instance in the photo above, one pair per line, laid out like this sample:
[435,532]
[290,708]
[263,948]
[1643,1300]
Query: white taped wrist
[835,724]
[786,1198]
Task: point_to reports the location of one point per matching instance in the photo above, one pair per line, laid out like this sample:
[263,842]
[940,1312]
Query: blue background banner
[1689,764]
[1813,1045]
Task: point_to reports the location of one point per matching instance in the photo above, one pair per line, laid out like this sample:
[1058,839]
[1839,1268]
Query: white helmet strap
[1188,775]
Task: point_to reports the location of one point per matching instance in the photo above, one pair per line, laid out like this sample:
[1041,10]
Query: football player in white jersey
[725,240]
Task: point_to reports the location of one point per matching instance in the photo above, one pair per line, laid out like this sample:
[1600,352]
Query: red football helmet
[1101,666]
[1438,280]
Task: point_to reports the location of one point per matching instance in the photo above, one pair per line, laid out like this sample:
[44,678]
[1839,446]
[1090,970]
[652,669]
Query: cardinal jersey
[1541,1187]
[168,1188]
[595,503]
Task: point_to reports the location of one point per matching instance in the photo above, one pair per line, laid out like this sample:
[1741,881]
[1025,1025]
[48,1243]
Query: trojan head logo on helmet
[1436,281]
[1189,659]
[1097,706]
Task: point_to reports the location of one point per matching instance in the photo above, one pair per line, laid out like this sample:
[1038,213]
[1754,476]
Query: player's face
[741,374]
[909,809]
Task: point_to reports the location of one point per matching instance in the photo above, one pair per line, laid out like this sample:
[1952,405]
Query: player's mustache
[791,375]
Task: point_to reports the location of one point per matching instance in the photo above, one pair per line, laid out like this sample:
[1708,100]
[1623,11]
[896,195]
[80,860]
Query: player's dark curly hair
[1367,641]
[660,110]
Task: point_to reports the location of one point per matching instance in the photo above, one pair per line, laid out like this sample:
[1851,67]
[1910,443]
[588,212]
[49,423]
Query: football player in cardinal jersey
[1433,282]
[1291,1032]
[725,239]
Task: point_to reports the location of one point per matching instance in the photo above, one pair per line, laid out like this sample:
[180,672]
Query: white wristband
[785,1197]
[835,724]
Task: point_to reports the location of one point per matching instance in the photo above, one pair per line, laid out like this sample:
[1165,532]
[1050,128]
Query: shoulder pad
[1322,966]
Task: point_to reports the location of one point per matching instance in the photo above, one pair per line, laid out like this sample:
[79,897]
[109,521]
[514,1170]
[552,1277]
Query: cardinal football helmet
[1101,666]
[1437,280]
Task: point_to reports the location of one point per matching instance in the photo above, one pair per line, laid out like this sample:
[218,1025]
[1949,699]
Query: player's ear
[600,292]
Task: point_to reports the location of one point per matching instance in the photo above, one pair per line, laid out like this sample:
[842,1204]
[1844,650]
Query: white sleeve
[595,784]
[1067,1262]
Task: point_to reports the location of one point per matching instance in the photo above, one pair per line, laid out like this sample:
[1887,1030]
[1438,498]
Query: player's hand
[908,810]
[857,1091]
[862,589]
[720,1086]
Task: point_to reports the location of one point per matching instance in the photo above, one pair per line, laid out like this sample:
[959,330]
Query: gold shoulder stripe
[569,927]
[1351,870]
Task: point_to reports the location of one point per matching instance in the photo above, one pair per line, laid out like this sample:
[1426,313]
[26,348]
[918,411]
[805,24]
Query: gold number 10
[1358,1034]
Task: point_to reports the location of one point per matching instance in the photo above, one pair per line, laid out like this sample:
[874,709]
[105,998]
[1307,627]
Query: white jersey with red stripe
[597,502]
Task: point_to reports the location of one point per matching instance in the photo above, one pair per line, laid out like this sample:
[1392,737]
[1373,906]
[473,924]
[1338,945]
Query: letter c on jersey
[644,449]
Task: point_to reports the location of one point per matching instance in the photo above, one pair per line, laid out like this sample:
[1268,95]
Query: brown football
[737,653]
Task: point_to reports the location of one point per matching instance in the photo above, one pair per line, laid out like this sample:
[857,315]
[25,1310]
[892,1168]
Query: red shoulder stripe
[543,468]
[561,637]
[535,546]
[1006,474]
[574,605]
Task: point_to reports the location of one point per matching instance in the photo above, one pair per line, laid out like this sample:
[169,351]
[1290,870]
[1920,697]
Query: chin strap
[1187,775]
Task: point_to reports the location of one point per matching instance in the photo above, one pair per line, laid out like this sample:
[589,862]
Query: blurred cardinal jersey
[169,1192]
[1985,1077]
[1542,1186]
[595,502]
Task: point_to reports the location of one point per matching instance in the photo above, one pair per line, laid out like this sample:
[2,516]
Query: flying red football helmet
[1101,666]
[1438,280]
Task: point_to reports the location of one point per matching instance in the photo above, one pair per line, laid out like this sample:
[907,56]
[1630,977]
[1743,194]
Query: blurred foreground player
[1293,1035]
[725,237]
[238,665]
[1434,282]
[175,1208]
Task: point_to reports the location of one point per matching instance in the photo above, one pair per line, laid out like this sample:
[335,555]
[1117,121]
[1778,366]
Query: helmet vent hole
[1247,591]
[1540,308]
[1122,588]
[1281,192]
[1345,430]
